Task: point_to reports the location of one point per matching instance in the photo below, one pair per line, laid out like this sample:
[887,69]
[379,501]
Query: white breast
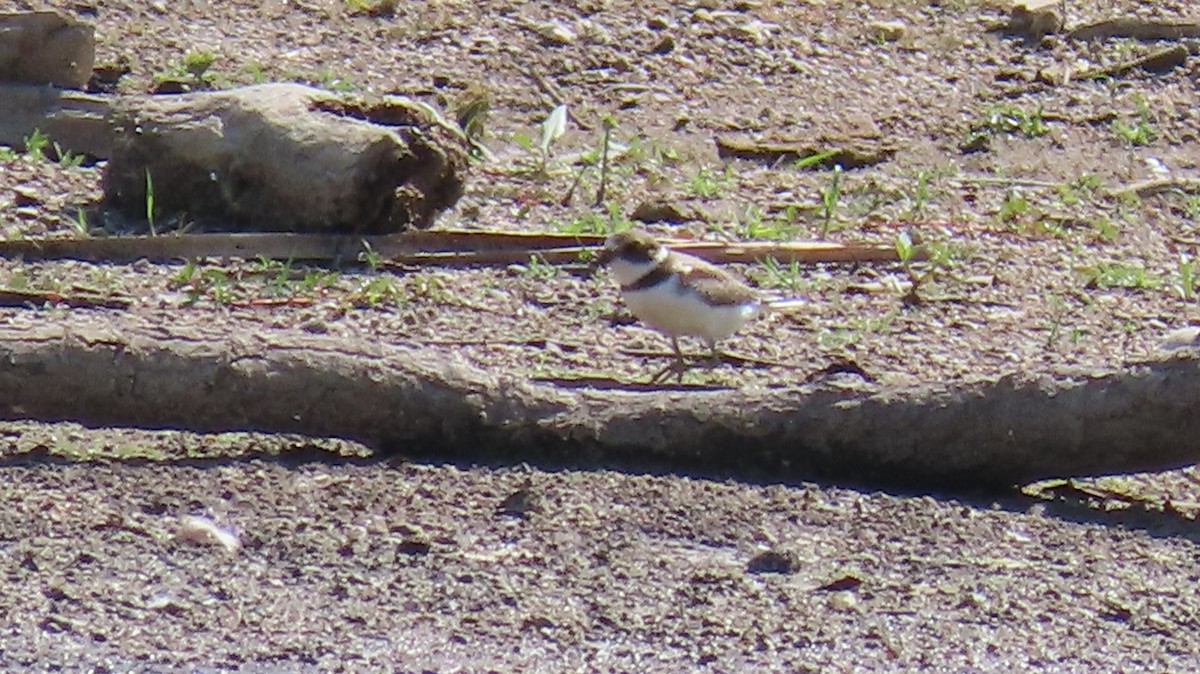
[674,310]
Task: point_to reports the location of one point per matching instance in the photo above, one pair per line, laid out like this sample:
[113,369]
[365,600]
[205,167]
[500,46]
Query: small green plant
[369,256]
[539,270]
[774,274]
[318,279]
[427,286]
[7,153]
[1104,228]
[937,254]
[194,68]
[80,223]
[471,112]
[279,275]
[830,196]
[553,128]
[197,63]
[36,144]
[1059,312]
[66,157]
[1008,119]
[815,159]
[754,224]
[1011,119]
[185,274]
[213,282]
[1015,205]
[1118,275]
[1078,190]
[1186,285]
[920,195]
[331,81]
[376,291]
[254,73]
[594,222]
[150,203]
[1191,206]
[1141,131]
[708,184]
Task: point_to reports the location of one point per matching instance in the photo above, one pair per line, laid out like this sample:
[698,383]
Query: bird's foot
[677,367]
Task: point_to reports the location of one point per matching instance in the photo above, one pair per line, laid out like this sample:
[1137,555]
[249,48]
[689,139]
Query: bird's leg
[714,356]
[677,366]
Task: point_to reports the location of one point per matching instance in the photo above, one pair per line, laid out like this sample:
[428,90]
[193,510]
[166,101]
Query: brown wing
[717,286]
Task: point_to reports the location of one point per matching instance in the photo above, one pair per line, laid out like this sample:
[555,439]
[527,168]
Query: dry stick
[1140,29]
[1147,188]
[21,298]
[996,180]
[454,247]
[604,162]
[1156,61]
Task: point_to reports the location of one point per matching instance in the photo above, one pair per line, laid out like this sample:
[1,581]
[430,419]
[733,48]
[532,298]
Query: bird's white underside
[677,311]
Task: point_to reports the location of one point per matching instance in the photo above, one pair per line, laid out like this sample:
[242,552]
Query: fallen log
[77,121]
[424,401]
[285,158]
[46,48]
[270,157]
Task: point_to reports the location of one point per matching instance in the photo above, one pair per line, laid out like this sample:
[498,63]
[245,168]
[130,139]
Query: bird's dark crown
[632,245]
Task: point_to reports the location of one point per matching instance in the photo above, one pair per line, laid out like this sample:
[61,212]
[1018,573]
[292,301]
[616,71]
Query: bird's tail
[787,304]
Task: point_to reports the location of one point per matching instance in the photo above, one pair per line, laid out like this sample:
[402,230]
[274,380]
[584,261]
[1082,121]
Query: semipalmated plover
[681,295]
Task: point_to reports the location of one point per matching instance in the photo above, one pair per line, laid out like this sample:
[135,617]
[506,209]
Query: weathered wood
[444,247]
[285,158]
[77,121]
[46,48]
[1137,28]
[426,401]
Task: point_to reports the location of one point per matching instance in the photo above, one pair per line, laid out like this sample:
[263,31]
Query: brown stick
[447,247]
[23,298]
[1141,29]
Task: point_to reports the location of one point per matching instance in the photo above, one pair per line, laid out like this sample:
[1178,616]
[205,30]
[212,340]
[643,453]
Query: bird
[680,295]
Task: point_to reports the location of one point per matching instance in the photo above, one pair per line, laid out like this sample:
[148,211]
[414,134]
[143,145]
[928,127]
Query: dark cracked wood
[424,401]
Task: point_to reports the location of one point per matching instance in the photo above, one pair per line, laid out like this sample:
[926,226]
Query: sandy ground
[346,561]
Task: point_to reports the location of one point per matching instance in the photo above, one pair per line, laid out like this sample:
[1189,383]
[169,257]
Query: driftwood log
[421,401]
[270,157]
[77,121]
[285,158]
[46,48]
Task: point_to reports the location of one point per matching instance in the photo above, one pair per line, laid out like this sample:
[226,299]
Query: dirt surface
[1004,156]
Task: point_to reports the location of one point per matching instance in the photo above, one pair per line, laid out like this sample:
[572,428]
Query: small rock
[202,530]
[842,584]
[518,503]
[25,196]
[665,45]
[1034,19]
[658,23]
[756,31]
[843,601]
[771,562]
[556,33]
[414,546]
[888,31]
[1182,338]
[662,210]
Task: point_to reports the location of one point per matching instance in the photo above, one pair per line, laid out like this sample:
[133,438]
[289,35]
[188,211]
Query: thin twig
[21,298]
[600,193]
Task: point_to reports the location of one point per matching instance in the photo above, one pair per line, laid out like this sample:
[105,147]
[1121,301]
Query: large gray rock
[46,48]
[285,157]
